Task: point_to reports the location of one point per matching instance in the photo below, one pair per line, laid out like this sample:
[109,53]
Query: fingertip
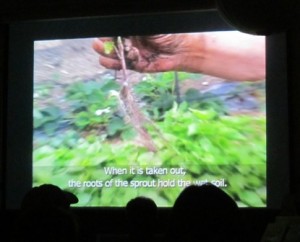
[98,45]
[110,63]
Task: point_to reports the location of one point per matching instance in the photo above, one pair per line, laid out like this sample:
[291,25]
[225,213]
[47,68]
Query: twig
[129,103]
[120,53]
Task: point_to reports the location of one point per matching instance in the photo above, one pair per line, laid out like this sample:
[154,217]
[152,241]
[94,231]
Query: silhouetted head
[48,195]
[204,198]
[141,213]
[198,210]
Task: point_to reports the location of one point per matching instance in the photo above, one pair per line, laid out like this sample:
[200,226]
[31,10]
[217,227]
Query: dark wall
[294,102]
[3,74]
[15,10]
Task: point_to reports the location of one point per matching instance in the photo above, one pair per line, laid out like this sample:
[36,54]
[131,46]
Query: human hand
[155,53]
[230,55]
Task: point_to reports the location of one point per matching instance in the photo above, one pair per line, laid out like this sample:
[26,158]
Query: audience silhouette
[200,213]
[48,195]
[142,218]
[203,213]
[45,216]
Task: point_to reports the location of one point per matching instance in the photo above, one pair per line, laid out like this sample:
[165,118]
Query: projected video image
[120,117]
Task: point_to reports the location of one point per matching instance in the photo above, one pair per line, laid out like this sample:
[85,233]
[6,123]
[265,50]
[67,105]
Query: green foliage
[200,141]
[157,93]
[86,98]
[47,118]
[196,136]
[204,101]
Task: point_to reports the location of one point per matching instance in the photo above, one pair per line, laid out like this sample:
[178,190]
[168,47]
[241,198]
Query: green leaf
[109,47]
[204,115]
[52,111]
[251,198]
[128,134]
[116,124]
[50,128]
[192,95]
[82,120]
